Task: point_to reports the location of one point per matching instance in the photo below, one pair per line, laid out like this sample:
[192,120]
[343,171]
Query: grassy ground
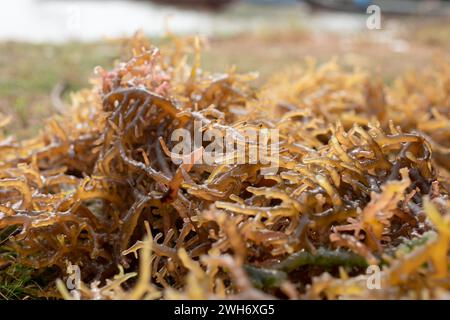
[28,74]
[16,281]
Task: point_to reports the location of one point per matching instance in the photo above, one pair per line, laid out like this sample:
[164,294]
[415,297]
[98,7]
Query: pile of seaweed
[358,207]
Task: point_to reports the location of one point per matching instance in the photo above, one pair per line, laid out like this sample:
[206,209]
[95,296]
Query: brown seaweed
[360,172]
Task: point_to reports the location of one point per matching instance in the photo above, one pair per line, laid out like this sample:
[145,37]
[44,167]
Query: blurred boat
[397,7]
[196,4]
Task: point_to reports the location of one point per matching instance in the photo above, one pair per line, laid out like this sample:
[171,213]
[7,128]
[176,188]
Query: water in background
[57,20]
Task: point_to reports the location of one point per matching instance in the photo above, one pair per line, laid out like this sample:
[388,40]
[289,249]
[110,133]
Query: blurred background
[49,48]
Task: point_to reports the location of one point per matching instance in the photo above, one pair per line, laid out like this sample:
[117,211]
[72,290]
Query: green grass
[29,72]
[17,283]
